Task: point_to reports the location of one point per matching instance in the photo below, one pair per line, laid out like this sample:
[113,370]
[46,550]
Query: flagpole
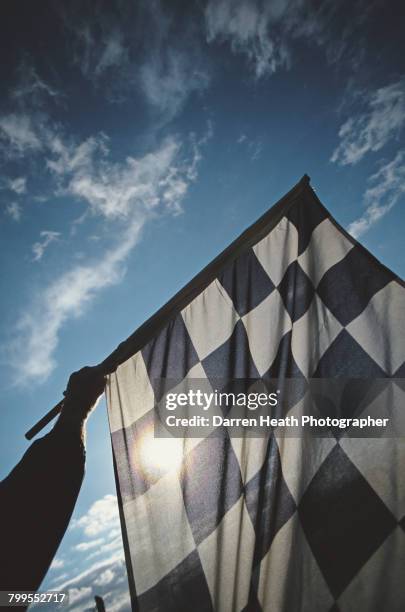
[44,421]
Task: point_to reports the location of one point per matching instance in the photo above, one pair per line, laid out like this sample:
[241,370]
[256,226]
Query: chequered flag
[274,523]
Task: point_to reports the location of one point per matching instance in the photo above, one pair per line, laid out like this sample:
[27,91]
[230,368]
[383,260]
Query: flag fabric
[275,523]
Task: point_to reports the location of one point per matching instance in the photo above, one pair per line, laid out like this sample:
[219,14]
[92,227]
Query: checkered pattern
[269,524]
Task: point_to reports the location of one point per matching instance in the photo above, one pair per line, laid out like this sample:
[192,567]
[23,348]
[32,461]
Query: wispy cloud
[119,191]
[256,149]
[246,26]
[113,52]
[102,516]
[78,595]
[127,195]
[18,185]
[388,187]
[30,89]
[18,134]
[85,546]
[370,130]
[110,547]
[169,78]
[100,529]
[167,66]
[57,563]
[98,39]
[14,211]
[253,146]
[100,47]
[84,576]
[172,62]
[265,32]
[106,577]
[38,248]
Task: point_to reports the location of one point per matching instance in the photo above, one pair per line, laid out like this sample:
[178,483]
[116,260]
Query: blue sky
[137,139]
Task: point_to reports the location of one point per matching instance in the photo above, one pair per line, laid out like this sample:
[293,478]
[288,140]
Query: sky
[137,140]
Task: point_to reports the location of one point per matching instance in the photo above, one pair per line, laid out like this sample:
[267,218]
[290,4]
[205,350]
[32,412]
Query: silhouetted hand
[82,392]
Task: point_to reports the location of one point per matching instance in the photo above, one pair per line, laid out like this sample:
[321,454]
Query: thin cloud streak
[369,131]
[85,546]
[30,89]
[105,563]
[113,53]
[31,353]
[102,515]
[98,42]
[245,26]
[388,188]
[18,185]
[77,595]
[14,211]
[17,131]
[265,33]
[169,79]
[39,248]
[57,563]
[172,64]
[166,67]
[126,196]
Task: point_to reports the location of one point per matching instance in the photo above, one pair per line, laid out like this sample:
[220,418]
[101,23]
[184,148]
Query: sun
[158,455]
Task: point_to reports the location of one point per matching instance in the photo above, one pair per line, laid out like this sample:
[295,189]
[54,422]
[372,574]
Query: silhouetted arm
[37,500]
[38,497]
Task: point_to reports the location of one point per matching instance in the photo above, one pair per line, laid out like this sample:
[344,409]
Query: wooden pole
[44,421]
